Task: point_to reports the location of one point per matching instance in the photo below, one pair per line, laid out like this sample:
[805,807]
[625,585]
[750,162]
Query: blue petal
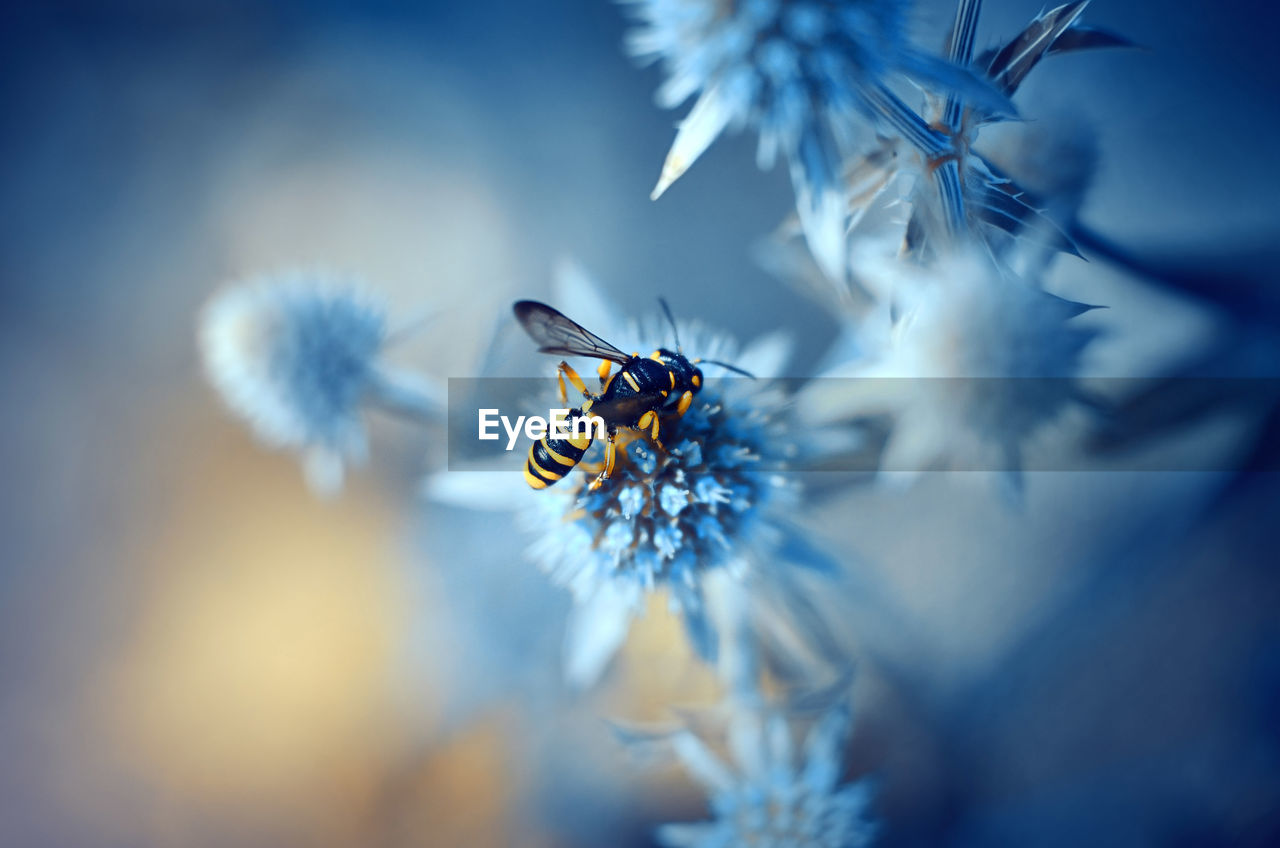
[796,549]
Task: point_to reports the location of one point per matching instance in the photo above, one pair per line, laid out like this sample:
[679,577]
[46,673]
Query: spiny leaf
[916,239]
[867,178]
[1011,64]
[1087,38]
[975,89]
[1008,211]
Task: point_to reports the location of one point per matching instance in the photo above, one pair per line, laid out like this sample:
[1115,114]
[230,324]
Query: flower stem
[906,121]
[960,53]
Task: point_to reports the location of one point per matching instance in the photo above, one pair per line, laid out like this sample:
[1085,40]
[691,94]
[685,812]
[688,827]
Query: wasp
[633,397]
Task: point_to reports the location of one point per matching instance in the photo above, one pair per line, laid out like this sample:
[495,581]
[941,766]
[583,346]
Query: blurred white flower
[295,355]
[966,358]
[771,794]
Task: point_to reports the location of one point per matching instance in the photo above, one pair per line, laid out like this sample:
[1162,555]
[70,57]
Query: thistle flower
[295,355]
[768,795]
[990,197]
[666,519]
[706,520]
[958,187]
[715,501]
[975,360]
[808,74]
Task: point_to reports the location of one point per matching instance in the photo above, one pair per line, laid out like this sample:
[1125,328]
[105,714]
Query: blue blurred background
[194,652]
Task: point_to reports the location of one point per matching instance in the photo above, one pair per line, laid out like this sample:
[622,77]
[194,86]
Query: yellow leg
[649,421]
[686,400]
[567,371]
[564,396]
[620,450]
[603,371]
[610,456]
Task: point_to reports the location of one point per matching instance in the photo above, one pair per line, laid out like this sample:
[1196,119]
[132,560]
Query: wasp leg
[610,456]
[649,421]
[686,400]
[620,451]
[603,371]
[566,370]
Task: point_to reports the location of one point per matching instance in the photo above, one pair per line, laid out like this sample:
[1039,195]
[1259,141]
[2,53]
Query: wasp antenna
[671,320]
[735,369]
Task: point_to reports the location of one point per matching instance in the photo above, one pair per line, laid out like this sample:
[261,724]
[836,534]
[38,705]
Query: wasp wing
[557,334]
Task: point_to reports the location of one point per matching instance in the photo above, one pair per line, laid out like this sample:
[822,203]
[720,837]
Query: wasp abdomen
[551,459]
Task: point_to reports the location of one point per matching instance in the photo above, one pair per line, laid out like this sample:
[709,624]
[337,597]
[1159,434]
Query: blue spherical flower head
[295,356]
[771,794]
[664,519]
[705,520]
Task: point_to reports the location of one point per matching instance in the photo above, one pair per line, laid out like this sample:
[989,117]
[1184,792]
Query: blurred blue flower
[810,75]
[296,356]
[769,796]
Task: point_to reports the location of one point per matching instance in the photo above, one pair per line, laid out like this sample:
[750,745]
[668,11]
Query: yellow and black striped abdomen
[550,459]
